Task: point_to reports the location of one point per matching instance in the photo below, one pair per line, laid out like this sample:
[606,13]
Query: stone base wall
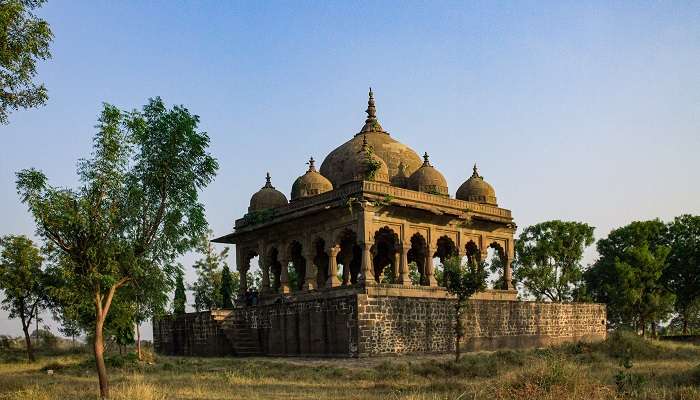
[381,320]
[192,334]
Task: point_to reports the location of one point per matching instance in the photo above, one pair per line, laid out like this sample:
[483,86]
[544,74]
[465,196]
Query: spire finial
[475,174]
[268,181]
[371,123]
[426,161]
[312,167]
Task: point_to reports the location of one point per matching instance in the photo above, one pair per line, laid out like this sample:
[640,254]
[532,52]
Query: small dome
[367,166]
[310,184]
[427,179]
[476,189]
[267,197]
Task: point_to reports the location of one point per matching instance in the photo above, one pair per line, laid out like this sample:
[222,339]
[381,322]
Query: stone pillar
[310,278]
[397,266]
[404,278]
[243,273]
[284,274]
[347,259]
[508,274]
[264,265]
[429,268]
[333,266]
[367,267]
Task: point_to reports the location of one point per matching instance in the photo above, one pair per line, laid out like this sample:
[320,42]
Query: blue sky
[573,111]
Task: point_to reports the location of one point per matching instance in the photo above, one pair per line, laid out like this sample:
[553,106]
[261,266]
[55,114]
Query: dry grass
[666,371]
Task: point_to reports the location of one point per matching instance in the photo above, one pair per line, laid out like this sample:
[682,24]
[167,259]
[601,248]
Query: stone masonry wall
[389,325]
[308,326]
[192,334]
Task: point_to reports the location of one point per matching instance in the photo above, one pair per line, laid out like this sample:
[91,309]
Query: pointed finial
[475,174]
[371,123]
[364,143]
[312,167]
[426,161]
[268,181]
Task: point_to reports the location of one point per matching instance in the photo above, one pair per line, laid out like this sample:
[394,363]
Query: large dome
[339,165]
[476,189]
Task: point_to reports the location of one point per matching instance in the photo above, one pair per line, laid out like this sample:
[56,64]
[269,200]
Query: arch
[275,268]
[445,248]
[386,243]
[297,273]
[350,256]
[471,250]
[497,264]
[416,254]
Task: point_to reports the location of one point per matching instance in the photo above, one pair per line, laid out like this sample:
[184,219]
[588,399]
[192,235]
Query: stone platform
[377,320]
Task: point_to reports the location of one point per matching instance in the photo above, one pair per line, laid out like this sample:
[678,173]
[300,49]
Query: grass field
[659,370]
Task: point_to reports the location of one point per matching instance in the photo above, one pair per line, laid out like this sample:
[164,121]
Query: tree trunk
[458,327]
[99,358]
[653,329]
[644,327]
[685,325]
[138,341]
[28,341]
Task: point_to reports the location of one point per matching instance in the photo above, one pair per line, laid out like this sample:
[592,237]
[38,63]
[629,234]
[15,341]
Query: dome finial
[268,181]
[312,167]
[371,123]
[426,161]
[475,173]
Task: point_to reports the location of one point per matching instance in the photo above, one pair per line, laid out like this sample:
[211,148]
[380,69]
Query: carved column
[404,278]
[333,266]
[284,272]
[507,268]
[310,278]
[347,259]
[429,268]
[367,270]
[243,274]
[264,264]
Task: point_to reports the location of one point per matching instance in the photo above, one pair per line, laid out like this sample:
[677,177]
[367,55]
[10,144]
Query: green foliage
[226,288]
[180,299]
[462,280]
[548,258]
[24,39]
[372,165]
[682,275]
[259,217]
[136,210]
[22,281]
[207,287]
[628,275]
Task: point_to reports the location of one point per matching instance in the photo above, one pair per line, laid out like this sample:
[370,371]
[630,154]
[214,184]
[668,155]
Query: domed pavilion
[374,210]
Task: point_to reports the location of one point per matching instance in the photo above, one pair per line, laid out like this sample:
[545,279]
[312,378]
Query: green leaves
[548,258]
[463,280]
[24,39]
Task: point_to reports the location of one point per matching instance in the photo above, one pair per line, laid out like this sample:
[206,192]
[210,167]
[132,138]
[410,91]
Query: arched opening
[471,250]
[496,261]
[446,248]
[297,272]
[349,257]
[321,262]
[384,261]
[416,255]
[275,269]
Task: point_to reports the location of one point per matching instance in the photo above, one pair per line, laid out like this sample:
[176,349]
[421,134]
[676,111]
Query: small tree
[24,39]
[226,288]
[548,258]
[463,280]
[207,287]
[22,282]
[180,299]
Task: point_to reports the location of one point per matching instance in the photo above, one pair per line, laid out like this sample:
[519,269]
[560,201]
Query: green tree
[226,288]
[548,258]
[24,39]
[627,277]
[22,282]
[463,280]
[207,287]
[135,211]
[682,276]
[180,298]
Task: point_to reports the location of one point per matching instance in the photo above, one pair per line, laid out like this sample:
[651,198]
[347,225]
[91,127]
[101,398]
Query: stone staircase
[234,326]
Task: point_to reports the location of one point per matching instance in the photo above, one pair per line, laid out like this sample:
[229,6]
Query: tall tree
[226,288]
[628,275]
[24,39]
[548,258]
[22,282]
[682,275]
[463,280]
[135,211]
[180,299]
